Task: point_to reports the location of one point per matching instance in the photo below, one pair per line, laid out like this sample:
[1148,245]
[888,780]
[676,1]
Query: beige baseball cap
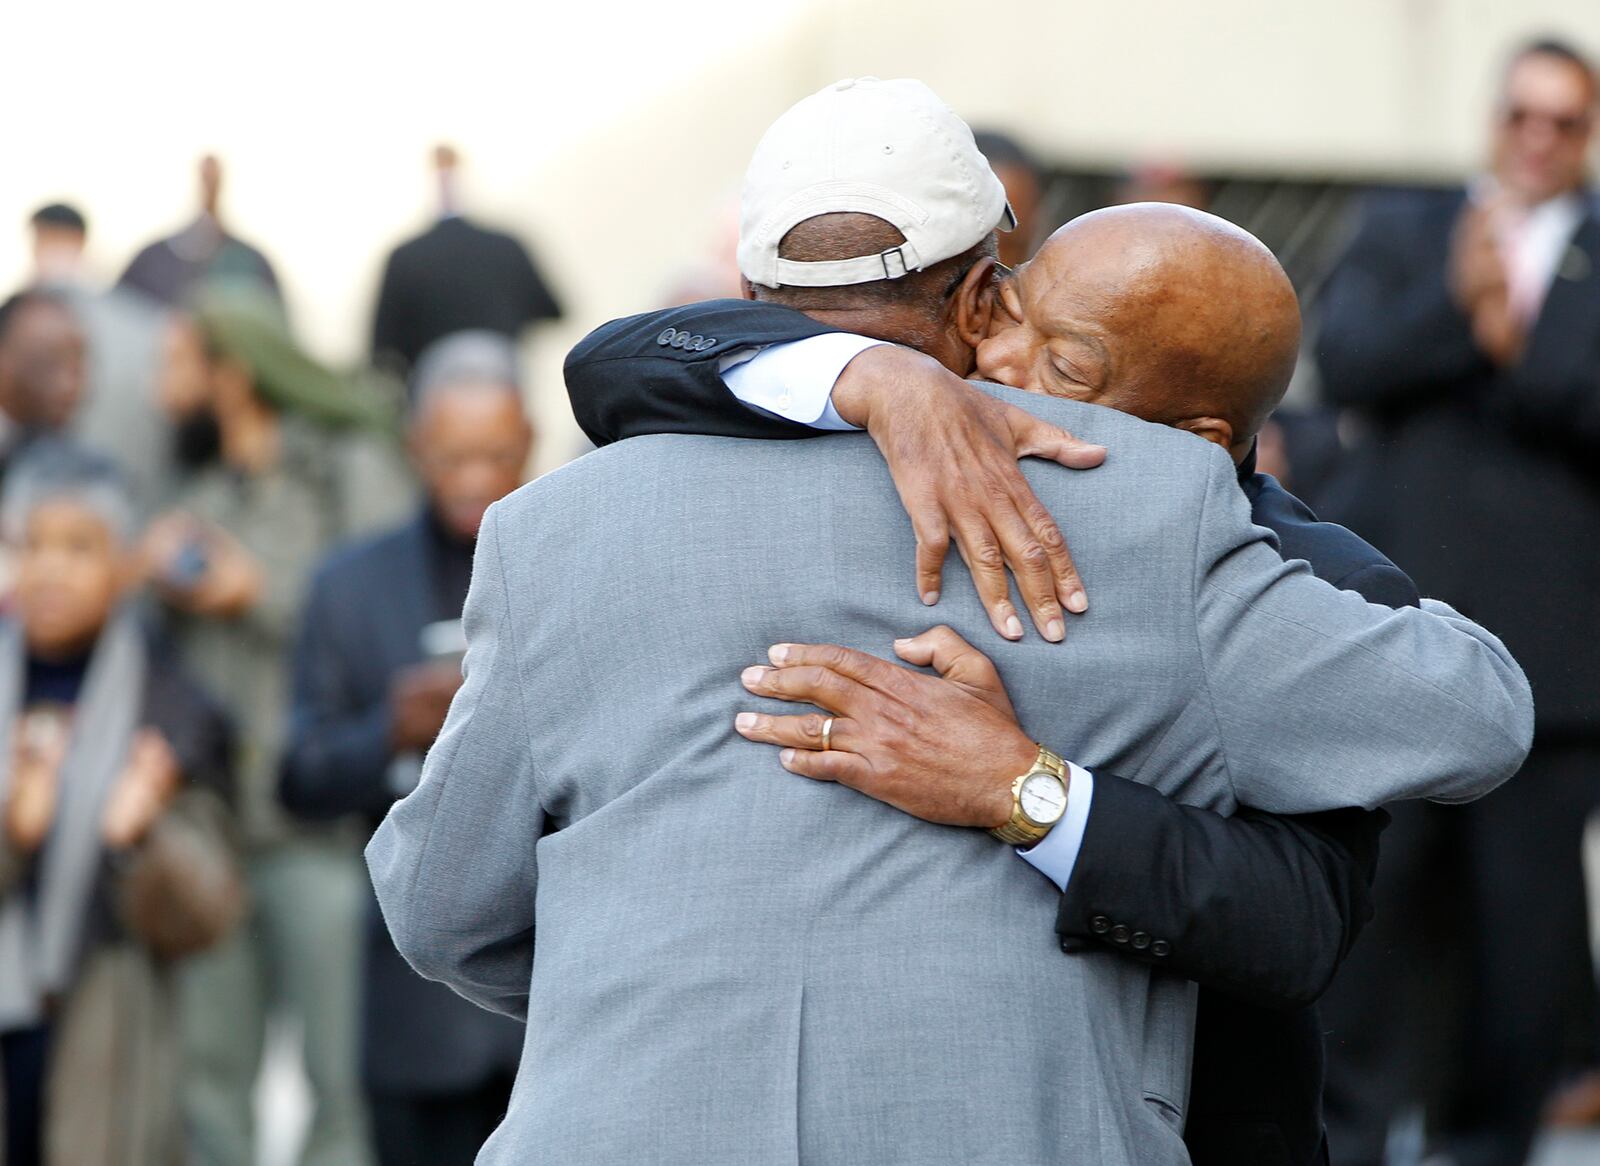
[885,148]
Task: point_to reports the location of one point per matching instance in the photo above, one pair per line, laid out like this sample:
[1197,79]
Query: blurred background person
[1156,181]
[60,234]
[715,276]
[377,663]
[170,269]
[1463,327]
[119,415]
[230,565]
[42,370]
[454,277]
[1025,180]
[113,861]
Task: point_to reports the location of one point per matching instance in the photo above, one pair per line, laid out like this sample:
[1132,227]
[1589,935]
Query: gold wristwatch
[1038,799]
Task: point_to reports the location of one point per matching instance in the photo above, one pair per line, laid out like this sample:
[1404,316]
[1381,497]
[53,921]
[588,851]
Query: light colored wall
[611,134]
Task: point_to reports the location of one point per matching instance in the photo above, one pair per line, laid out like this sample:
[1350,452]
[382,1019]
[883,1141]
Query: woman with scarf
[113,864]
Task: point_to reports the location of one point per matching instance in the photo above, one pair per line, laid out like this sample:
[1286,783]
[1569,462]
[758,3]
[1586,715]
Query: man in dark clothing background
[455,276]
[1463,328]
[376,665]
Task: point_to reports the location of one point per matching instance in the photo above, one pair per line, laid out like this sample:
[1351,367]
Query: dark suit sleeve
[538,301]
[390,328]
[1391,336]
[338,755]
[661,372]
[1261,907]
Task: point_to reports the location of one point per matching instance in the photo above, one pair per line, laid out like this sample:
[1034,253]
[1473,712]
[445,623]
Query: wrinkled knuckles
[1034,558]
[986,556]
[811,726]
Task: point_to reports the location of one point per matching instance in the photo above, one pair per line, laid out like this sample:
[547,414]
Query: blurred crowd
[234,577]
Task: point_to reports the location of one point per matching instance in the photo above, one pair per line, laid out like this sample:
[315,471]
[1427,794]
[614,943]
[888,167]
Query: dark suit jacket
[363,621]
[1259,909]
[454,276]
[1484,483]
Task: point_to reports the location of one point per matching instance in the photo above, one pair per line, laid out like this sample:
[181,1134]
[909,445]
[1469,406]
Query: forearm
[457,882]
[661,372]
[1261,908]
[1429,705]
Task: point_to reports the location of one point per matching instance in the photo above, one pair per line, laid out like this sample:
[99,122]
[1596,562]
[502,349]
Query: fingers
[845,768]
[933,544]
[808,685]
[1036,438]
[799,732]
[986,563]
[861,667]
[1031,560]
[959,662]
[943,650]
[1068,583]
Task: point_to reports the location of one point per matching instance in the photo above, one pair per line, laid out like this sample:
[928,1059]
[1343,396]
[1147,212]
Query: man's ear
[1213,429]
[747,290]
[973,302]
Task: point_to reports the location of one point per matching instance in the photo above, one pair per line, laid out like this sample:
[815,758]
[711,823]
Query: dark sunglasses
[1570,125]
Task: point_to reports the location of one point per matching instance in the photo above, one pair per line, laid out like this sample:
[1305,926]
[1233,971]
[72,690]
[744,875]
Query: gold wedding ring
[827,734]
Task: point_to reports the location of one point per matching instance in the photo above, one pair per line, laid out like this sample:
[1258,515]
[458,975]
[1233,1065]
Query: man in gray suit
[735,967]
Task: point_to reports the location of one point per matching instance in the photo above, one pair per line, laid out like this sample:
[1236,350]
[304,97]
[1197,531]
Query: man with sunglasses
[1463,329]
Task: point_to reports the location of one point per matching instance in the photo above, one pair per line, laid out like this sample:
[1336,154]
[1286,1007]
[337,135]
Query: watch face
[1043,799]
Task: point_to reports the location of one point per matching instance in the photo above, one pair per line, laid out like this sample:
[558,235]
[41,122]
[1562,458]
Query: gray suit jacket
[736,965]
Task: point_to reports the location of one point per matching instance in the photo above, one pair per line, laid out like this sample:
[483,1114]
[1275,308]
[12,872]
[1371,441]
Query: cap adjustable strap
[889,264]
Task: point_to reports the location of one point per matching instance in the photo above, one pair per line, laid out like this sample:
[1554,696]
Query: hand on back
[953,450]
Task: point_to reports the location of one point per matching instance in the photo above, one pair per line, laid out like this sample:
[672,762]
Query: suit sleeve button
[1119,933]
[1140,941]
[1099,925]
[667,337]
[1160,948]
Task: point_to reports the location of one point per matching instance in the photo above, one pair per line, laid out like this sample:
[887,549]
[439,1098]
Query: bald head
[1162,311]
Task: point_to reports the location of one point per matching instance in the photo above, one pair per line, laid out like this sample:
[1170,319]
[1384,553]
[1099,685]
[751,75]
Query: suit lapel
[1573,301]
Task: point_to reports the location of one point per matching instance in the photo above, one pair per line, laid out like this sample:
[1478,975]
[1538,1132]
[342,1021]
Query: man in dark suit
[1463,328]
[375,668]
[454,277]
[1259,909]
[171,268]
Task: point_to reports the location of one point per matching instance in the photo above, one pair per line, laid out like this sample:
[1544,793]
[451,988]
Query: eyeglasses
[1570,125]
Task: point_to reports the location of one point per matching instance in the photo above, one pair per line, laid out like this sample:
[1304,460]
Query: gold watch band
[1022,830]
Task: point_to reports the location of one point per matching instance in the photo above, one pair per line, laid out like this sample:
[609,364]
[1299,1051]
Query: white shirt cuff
[1056,853]
[795,379]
